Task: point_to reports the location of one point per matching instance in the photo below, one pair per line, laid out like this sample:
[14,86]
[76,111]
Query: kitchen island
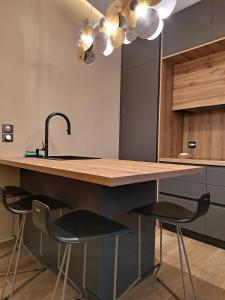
[109,187]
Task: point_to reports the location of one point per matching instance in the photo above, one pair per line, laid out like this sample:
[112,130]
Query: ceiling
[102,5]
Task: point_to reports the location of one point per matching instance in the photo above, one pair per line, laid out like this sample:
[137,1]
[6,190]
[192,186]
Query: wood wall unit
[199,82]
[192,104]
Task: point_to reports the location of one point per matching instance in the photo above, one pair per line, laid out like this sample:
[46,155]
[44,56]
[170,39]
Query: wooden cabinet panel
[216,176]
[215,222]
[218,25]
[199,82]
[188,28]
[182,188]
[198,225]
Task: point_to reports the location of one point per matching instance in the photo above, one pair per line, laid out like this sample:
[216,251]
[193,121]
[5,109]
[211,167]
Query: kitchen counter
[106,172]
[193,161]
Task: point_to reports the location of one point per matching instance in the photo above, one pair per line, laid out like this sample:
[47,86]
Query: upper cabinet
[189,28]
[140,52]
[218,28]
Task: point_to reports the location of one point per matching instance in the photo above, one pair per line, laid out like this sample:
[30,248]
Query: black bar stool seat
[83,225]
[24,205]
[15,191]
[166,211]
[52,203]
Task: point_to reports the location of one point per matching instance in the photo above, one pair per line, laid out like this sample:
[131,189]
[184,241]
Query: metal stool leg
[115,267]
[181,245]
[161,250]
[18,246]
[66,272]
[60,272]
[18,243]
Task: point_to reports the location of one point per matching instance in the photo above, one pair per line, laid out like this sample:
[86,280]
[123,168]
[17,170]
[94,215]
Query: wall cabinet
[188,28]
[218,24]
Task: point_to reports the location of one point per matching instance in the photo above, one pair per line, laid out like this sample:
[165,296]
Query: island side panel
[115,204]
[110,202]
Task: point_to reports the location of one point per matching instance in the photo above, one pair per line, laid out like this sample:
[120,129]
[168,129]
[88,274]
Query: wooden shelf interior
[197,111]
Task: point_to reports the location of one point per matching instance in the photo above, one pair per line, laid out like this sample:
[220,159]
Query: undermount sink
[69,157]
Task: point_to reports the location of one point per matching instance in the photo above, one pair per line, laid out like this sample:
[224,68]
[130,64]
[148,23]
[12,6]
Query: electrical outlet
[192,144]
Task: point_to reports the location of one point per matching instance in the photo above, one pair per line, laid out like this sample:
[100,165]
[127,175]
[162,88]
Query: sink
[70,157]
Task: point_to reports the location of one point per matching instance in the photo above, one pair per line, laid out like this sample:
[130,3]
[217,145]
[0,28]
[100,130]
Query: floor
[207,264]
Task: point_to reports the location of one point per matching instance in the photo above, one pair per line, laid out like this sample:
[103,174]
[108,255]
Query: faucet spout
[47,128]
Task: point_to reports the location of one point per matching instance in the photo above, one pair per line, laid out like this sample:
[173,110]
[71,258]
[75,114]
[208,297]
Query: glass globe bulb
[109,27]
[165,8]
[87,39]
[158,31]
[126,41]
[109,49]
[141,10]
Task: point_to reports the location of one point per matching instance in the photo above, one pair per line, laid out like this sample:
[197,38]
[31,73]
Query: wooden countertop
[108,172]
[190,161]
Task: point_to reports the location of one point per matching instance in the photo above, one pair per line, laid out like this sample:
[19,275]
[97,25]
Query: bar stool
[74,228]
[22,207]
[177,215]
[13,192]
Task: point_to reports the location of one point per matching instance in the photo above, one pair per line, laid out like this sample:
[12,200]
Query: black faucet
[47,128]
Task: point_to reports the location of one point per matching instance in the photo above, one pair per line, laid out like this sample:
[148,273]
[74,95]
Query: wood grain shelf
[196,52]
[190,161]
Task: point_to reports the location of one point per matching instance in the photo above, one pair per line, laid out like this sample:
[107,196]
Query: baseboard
[197,236]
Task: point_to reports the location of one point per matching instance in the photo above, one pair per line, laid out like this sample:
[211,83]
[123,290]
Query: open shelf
[192,105]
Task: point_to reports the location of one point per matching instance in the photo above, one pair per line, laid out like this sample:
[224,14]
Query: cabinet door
[218,26]
[217,194]
[140,52]
[188,28]
[215,222]
[182,188]
[196,226]
[216,176]
[139,111]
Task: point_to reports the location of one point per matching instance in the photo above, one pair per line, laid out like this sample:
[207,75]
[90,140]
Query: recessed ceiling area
[102,5]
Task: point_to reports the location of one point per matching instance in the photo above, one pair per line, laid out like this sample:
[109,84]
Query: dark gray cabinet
[140,52]
[215,222]
[212,180]
[217,194]
[188,28]
[182,188]
[139,101]
[218,24]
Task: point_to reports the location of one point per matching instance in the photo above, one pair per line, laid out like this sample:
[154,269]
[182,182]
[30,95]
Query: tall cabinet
[139,100]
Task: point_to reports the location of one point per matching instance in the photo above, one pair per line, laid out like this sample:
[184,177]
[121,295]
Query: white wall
[40,73]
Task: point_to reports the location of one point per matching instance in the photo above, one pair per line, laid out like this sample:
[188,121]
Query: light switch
[7,137]
[7,128]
